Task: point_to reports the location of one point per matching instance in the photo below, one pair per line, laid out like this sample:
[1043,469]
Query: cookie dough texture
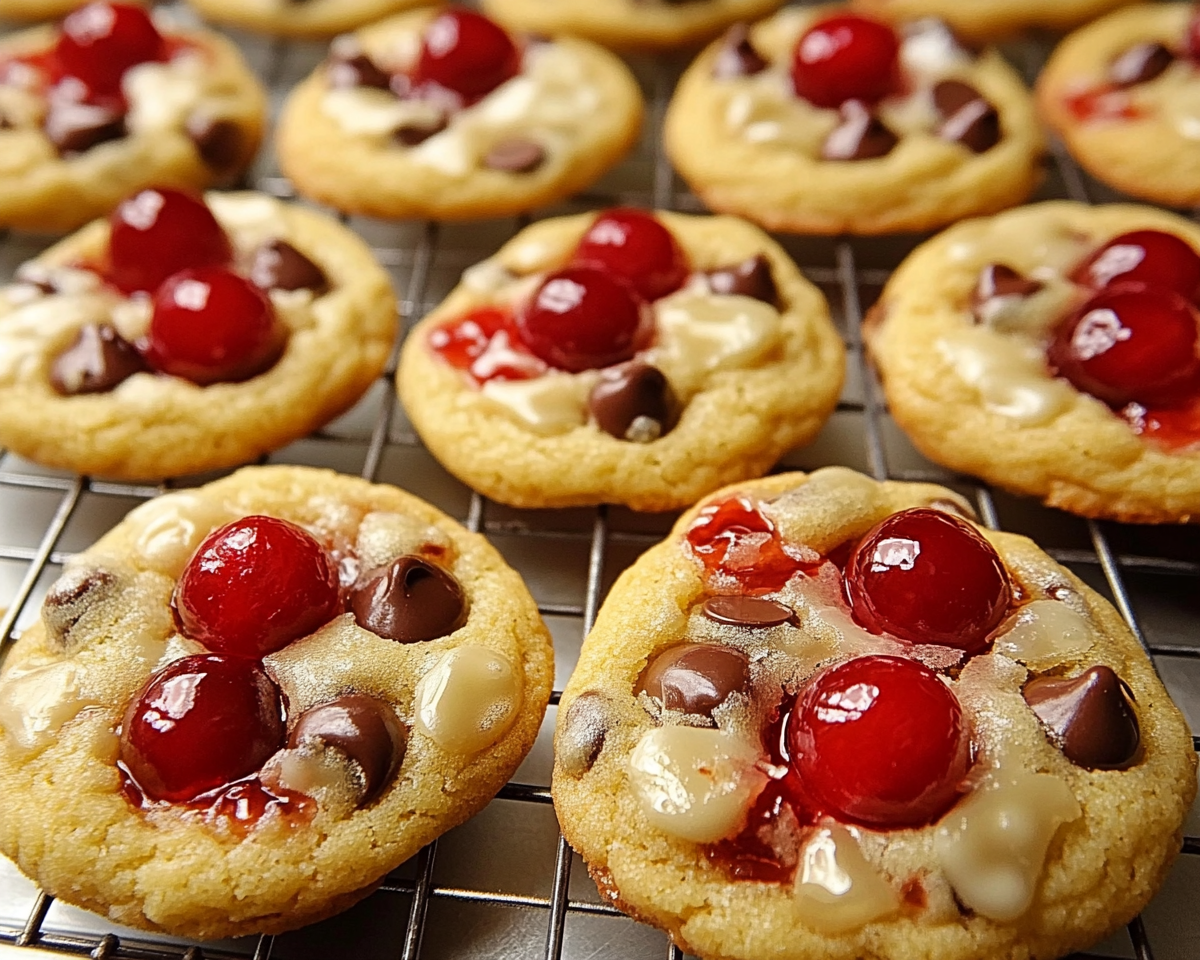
[65,820]
[595,115]
[1102,868]
[739,423]
[1084,459]
[303,19]
[153,426]
[922,183]
[983,20]
[1152,154]
[37,9]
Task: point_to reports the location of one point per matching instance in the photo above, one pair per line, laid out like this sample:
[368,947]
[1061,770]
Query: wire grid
[540,904]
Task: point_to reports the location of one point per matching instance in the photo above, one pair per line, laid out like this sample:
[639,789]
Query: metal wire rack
[506,884]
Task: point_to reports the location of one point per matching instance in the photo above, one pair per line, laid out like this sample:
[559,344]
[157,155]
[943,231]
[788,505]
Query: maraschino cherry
[927,577]
[255,585]
[99,42]
[1145,256]
[734,539]
[636,247]
[1192,37]
[846,57]
[466,54]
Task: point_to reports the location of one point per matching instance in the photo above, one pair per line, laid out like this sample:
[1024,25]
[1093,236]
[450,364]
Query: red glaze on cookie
[486,345]
[734,539]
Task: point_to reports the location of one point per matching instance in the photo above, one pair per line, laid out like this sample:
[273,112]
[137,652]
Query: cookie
[622,357]
[184,335]
[890,131]
[630,24]
[983,20]
[111,103]
[1052,351]
[832,718]
[1131,78]
[288,680]
[37,9]
[446,116]
[300,18]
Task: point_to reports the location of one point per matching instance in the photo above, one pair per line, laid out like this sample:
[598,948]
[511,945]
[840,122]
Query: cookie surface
[992,19]
[338,802]
[37,9]
[961,139]
[718,389]
[972,386]
[684,729]
[310,18]
[141,424]
[568,112]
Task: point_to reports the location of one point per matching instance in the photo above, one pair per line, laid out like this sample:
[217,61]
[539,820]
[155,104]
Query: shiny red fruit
[200,723]
[734,539]
[466,53]
[212,325]
[927,577]
[1145,256]
[1192,37]
[158,232]
[880,741]
[255,585]
[99,42]
[1130,344]
[582,318]
[846,57]
[636,247]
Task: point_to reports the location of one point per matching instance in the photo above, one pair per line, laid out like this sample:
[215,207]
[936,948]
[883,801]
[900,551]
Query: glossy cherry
[846,57]
[636,247]
[927,577]
[465,53]
[158,232]
[1192,37]
[1145,256]
[99,42]
[734,539]
[255,585]
[1130,343]
[880,741]
[582,318]
[199,723]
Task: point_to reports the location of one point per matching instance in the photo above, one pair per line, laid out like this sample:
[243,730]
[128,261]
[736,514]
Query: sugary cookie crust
[1099,872]
[306,19]
[153,426]
[1167,169]
[1082,457]
[166,871]
[368,173]
[923,182]
[738,424]
[983,20]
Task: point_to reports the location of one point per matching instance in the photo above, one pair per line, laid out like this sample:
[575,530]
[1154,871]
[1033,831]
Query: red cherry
[212,325]
[200,723]
[1192,36]
[927,577]
[845,57]
[466,53]
[1130,343]
[99,42]
[582,318]
[255,585]
[1146,256]
[636,247]
[880,741]
[158,232]
[734,539]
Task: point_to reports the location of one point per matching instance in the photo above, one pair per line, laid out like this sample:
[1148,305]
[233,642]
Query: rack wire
[506,884]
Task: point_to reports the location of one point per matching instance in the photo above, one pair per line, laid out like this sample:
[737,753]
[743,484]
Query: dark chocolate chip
[365,729]
[737,56]
[1140,63]
[750,278]
[277,265]
[997,281]
[71,596]
[74,127]
[219,142]
[411,600]
[581,735]
[5,123]
[946,505]
[412,134]
[950,96]
[633,402]
[1090,718]
[756,612]
[695,677]
[976,126]
[515,155]
[860,136]
[97,360]
[357,70]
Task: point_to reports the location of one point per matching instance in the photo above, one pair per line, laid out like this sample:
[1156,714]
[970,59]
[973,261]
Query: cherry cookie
[182,335]
[289,680]
[983,20]
[832,718]
[622,357]
[300,18]
[442,114]
[1124,95]
[110,102]
[822,121]
[1053,350]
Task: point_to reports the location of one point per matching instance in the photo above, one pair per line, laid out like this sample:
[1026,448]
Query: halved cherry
[846,57]
[636,247]
[99,42]
[1145,256]
[465,53]
[734,539]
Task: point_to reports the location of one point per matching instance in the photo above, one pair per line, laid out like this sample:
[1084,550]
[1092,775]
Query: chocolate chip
[277,265]
[695,677]
[750,278]
[515,155]
[580,737]
[860,136]
[411,600]
[946,505]
[357,70]
[756,612]
[737,56]
[74,127]
[5,123]
[71,596]
[219,142]
[97,361]
[632,402]
[411,134]
[968,118]
[950,96]
[1140,63]
[1090,718]
[365,729]
[998,282]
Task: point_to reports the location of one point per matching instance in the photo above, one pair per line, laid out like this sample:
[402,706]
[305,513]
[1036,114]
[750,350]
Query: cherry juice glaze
[239,806]
[1176,428]
[733,539]
[1100,104]
[463,341]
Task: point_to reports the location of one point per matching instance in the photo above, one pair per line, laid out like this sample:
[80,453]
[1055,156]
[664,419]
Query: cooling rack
[505,884]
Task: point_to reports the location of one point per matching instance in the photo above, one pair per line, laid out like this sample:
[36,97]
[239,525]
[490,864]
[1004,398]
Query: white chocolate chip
[552,403]
[930,48]
[383,536]
[316,770]
[161,95]
[35,703]
[172,526]
[366,111]
[468,700]
[1045,631]
[836,888]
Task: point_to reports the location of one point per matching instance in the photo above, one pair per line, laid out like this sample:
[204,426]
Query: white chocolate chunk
[172,526]
[468,700]
[695,783]
[836,889]
[930,48]
[371,112]
[552,403]
[324,773]
[383,536]
[34,704]
[1045,630]
[161,95]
